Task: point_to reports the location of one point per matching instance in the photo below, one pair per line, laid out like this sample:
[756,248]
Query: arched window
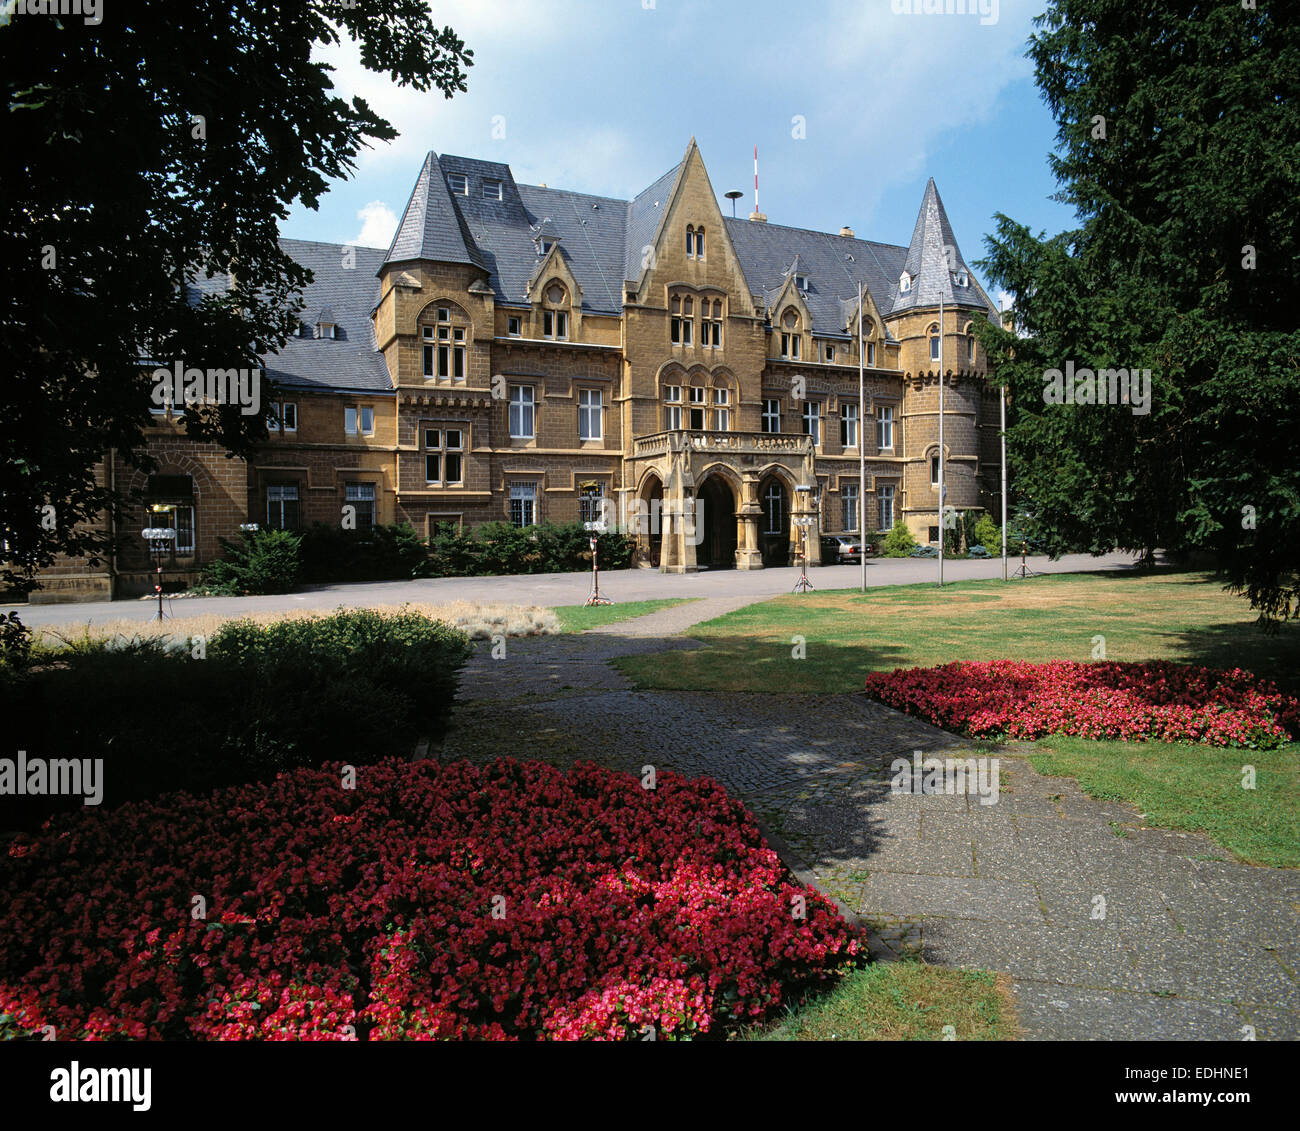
[774,509]
[444,334]
[699,243]
[690,241]
[969,331]
[934,342]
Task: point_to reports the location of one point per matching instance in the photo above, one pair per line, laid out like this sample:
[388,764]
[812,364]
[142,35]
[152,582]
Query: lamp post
[594,530]
[159,538]
[943,489]
[804,522]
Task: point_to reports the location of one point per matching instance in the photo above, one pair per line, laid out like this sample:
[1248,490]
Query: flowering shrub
[1156,700]
[432,901]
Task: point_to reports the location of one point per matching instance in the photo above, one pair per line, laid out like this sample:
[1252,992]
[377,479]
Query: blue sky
[602,96]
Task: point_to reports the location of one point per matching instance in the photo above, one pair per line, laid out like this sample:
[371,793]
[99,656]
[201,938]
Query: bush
[331,554]
[988,535]
[15,642]
[370,913]
[263,561]
[899,542]
[500,548]
[356,686]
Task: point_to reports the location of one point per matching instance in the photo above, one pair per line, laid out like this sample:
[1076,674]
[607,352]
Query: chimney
[761,217]
[846,232]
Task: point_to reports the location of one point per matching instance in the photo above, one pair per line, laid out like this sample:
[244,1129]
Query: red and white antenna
[755,179]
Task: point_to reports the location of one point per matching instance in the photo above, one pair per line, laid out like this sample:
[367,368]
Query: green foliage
[15,642]
[382,553]
[988,535]
[356,685]
[218,151]
[899,542]
[1184,264]
[500,548]
[262,561]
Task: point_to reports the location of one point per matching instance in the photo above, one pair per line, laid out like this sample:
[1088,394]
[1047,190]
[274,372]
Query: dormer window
[904,282]
[326,330]
[491,188]
[790,336]
[961,279]
[458,183]
[555,322]
[801,281]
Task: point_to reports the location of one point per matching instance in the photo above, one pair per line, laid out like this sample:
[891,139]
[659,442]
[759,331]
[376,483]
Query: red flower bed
[509,901]
[1156,700]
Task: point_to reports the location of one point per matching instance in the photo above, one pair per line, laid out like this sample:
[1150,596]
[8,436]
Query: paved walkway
[551,589]
[1192,945]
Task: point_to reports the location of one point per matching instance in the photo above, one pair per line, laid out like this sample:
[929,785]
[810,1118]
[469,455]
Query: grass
[1185,617]
[901,1001]
[1191,788]
[579,618]
[1175,616]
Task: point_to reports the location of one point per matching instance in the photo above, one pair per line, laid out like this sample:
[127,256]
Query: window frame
[811,416]
[850,422]
[587,412]
[771,413]
[528,404]
[493,183]
[885,425]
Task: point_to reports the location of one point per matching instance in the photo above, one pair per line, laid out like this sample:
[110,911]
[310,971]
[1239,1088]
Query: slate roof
[349,363]
[603,241]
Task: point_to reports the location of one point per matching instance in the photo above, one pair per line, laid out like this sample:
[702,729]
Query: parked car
[843,548]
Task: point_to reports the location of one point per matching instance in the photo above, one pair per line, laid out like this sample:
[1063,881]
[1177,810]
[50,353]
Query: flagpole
[862,441]
[1002,400]
[941,461]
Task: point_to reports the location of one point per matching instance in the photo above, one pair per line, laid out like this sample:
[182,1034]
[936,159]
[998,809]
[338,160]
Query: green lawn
[1185,617]
[579,618]
[901,1001]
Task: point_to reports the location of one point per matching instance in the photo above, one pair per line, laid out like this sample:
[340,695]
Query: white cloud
[379,224]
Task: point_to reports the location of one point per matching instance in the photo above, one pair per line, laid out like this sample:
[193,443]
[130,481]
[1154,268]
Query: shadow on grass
[1271,655]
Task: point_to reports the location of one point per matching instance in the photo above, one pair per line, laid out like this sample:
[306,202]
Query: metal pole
[941,482]
[1002,401]
[862,441]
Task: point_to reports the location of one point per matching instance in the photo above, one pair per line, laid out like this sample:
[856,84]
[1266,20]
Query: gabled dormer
[556,298]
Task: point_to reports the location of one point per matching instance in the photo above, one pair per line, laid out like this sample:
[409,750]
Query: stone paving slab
[1194,945]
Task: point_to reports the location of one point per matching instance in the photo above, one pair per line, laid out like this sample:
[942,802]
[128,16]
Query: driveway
[553,589]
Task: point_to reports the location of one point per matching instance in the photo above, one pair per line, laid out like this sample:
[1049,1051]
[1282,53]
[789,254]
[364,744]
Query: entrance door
[774,524]
[717,549]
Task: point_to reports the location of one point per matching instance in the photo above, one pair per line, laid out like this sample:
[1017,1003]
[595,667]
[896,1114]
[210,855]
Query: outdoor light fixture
[249,527]
[159,539]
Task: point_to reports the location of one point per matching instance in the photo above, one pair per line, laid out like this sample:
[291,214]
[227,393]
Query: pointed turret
[432,227]
[934,267]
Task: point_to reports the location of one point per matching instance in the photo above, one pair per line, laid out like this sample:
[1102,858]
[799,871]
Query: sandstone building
[529,354]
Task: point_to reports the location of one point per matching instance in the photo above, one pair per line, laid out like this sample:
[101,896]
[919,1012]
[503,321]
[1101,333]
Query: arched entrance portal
[774,522]
[649,517]
[717,512]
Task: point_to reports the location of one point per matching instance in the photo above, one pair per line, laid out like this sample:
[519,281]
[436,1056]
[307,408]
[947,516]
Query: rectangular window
[687,330]
[184,522]
[491,189]
[589,504]
[697,407]
[849,425]
[771,416]
[676,331]
[589,414]
[790,346]
[521,412]
[830,353]
[885,428]
[673,417]
[362,497]
[282,507]
[286,414]
[885,507]
[350,420]
[934,347]
[812,422]
[458,353]
[523,504]
[359,421]
[934,470]
[458,183]
[722,410]
[848,506]
[970,349]
[514,326]
[871,353]
[444,455]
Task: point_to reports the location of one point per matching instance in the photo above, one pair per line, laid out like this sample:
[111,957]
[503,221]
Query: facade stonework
[519,349]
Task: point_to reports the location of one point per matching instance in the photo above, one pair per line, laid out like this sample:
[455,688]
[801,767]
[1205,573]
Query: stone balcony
[760,443]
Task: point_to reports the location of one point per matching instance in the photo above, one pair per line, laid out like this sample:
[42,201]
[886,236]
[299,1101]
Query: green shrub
[899,542]
[15,642]
[500,548]
[262,561]
[988,535]
[355,686]
[382,553]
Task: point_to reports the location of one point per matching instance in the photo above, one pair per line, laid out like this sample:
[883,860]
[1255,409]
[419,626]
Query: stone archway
[649,519]
[716,510]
